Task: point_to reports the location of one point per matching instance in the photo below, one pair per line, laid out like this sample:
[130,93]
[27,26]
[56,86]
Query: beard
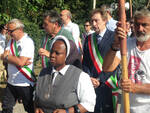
[142,37]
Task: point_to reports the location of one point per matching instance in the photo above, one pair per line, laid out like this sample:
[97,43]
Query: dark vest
[61,95]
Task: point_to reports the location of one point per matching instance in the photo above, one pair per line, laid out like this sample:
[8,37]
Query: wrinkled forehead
[142,19]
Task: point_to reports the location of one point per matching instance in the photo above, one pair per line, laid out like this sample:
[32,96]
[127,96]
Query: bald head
[66,12]
[66,16]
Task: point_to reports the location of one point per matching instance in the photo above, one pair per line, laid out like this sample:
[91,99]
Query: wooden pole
[130,9]
[122,18]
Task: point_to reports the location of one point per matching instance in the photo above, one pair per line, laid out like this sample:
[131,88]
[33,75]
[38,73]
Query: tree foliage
[30,12]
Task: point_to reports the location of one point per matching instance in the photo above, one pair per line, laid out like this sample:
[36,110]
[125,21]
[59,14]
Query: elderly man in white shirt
[70,26]
[19,55]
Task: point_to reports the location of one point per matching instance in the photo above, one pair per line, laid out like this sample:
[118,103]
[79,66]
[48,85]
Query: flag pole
[122,18]
[130,9]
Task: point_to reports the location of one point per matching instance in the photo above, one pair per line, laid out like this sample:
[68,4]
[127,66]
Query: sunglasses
[11,31]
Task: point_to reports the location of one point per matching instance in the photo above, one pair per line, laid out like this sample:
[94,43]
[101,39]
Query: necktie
[99,38]
[56,78]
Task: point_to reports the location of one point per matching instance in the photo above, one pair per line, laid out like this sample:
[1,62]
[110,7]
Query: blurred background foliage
[30,12]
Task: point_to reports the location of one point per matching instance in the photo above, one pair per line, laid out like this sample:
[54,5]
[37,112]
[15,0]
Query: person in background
[3,31]
[70,26]
[111,23]
[95,48]
[52,24]
[138,54]
[19,55]
[63,88]
[88,31]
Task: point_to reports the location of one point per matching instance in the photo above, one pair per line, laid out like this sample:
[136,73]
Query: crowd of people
[77,76]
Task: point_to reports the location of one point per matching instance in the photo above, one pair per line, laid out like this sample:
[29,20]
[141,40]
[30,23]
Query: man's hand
[120,33]
[127,85]
[59,111]
[28,62]
[3,56]
[38,110]
[95,82]
[44,52]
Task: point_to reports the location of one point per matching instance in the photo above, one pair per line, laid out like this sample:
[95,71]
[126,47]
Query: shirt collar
[69,23]
[62,71]
[21,40]
[102,33]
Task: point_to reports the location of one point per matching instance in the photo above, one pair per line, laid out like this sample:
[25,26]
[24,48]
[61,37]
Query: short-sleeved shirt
[26,49]
[139,73]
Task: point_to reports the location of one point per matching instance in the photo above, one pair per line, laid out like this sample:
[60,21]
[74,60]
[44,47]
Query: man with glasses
[95,48]
[19,55]
[88,30]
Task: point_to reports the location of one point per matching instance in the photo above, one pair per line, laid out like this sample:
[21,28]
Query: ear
[56,24]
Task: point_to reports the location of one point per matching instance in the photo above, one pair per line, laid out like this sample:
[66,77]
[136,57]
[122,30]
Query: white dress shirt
[85,90]
[74,29]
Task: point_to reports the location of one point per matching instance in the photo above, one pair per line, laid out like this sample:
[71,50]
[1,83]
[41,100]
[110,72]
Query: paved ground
[17,109]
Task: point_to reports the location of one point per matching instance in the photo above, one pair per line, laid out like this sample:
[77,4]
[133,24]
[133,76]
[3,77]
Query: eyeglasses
[11,31]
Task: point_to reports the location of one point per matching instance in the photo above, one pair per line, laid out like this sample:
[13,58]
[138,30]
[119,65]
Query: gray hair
[69,14]
[53,17]
[107,8]
[144,12]
[17,22]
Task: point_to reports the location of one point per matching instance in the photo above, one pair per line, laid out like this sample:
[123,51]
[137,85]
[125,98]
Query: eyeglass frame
[11,31]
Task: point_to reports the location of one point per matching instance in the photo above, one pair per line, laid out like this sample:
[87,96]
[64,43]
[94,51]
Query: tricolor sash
[25,70]
[94,52]
[44,58]
[112,82]
[98,62]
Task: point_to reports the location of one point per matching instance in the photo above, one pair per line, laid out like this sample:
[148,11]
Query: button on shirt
[85,90]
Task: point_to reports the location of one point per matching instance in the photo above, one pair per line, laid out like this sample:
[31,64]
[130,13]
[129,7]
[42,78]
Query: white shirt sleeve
[27,49]
[86,92]
[76,34]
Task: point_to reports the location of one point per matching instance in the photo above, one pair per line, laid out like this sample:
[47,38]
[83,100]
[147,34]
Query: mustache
[140,33]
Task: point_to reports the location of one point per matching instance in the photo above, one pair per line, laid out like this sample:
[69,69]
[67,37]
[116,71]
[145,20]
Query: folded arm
[18,61]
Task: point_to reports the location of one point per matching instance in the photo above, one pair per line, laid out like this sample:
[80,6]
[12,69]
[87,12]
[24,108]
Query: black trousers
[12,93]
